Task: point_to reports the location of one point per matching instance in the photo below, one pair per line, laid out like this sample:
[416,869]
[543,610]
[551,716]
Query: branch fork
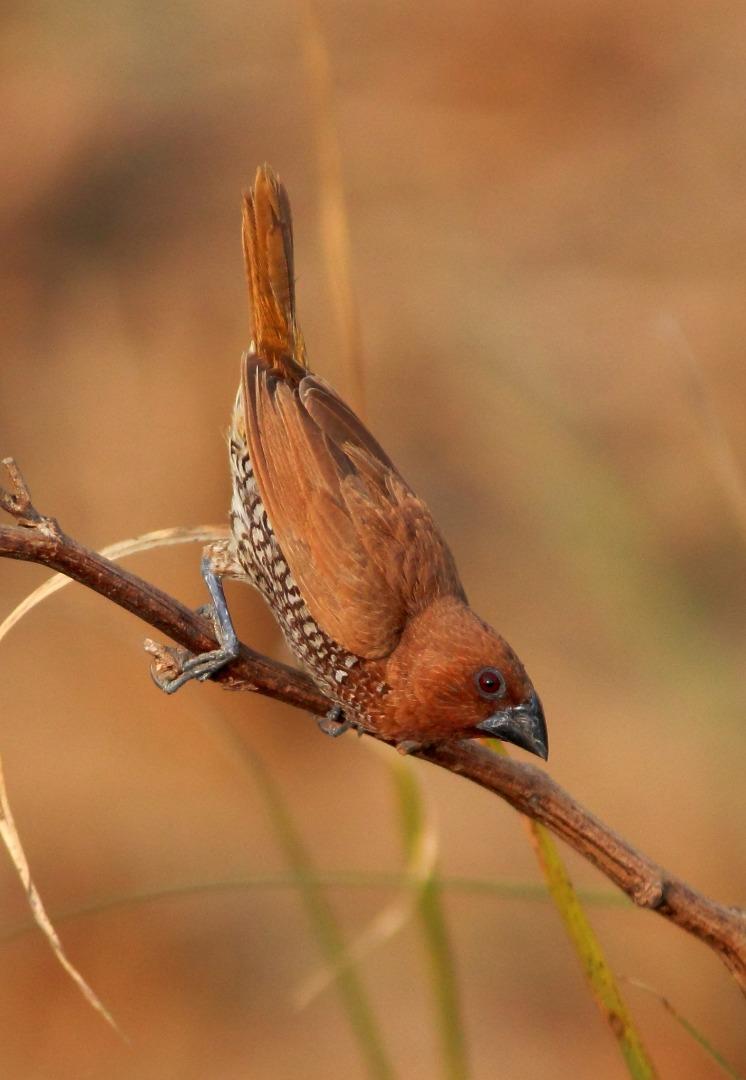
[17,502]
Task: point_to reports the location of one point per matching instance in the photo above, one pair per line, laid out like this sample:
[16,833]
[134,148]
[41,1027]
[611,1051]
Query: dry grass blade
[335,230]
[13,845]
[8,832]
[323,922]
[727,468]
[303,877]
[159,538]
[421,861]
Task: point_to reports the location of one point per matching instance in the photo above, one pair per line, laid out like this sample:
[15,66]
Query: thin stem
[527,788]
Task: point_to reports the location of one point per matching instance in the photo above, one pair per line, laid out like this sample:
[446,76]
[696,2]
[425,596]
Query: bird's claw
[201,668]
[335,723]
[173,668]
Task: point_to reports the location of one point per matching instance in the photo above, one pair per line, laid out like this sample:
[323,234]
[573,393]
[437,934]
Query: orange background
[548,235]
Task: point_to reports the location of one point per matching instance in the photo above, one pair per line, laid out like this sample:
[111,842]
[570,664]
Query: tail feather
[268,250]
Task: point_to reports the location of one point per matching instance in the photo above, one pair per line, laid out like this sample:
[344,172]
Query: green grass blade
[386,924]
[448,1007]
[412,819]
[687,1025]
[588,948]
[328,934]
[504,890]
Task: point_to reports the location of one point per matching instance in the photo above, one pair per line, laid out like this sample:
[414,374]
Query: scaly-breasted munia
[346,555]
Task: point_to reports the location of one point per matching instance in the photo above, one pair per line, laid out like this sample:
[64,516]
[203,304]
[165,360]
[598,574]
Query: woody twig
[37,538]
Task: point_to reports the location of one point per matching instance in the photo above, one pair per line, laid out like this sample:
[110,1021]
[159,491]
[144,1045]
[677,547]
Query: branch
[37,538]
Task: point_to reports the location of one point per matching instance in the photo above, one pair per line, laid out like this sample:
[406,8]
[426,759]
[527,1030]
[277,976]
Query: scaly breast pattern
[340,673]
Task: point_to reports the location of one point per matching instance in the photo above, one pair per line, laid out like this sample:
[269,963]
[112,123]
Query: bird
[347,556]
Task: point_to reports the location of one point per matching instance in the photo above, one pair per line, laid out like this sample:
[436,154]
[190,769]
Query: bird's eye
[490,683]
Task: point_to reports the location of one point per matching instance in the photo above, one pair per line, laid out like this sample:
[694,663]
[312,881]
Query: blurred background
[547,239]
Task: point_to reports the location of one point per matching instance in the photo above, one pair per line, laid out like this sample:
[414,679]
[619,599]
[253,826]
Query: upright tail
[268,250]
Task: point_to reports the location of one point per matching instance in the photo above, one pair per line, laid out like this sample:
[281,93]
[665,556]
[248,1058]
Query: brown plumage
[349,559]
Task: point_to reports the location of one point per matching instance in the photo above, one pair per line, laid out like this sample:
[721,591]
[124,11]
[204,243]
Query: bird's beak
[523,725]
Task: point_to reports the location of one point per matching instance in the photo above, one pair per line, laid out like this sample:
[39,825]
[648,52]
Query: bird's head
[456,676]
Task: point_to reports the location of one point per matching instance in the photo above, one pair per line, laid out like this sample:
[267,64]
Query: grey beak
[523,726]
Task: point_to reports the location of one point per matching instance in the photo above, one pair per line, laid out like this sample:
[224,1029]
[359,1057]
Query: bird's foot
[199,667]
[170,676]
[335,723]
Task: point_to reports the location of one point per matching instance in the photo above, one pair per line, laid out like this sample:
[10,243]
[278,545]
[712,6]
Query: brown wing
[363,549]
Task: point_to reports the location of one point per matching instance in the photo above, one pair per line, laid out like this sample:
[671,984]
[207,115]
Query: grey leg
[206,664]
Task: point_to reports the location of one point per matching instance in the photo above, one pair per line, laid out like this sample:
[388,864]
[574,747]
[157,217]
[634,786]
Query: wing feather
[362,548]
